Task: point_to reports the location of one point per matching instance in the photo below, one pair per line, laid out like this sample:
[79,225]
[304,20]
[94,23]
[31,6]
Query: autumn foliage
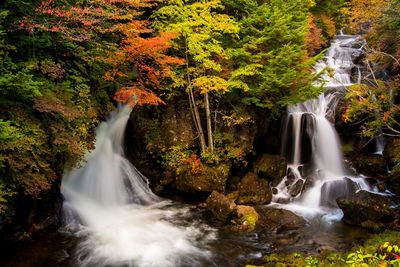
[138,59]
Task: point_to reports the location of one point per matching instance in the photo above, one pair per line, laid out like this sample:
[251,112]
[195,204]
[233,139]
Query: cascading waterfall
[109,206]
[316,174]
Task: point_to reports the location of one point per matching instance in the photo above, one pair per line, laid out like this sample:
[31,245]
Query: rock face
[208,179]
[220,205]
[393,182]
[280,219]
[272,167]
[370,211]
[371,165]
[253,190]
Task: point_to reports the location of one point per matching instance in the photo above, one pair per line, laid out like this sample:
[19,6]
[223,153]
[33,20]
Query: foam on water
[119,221]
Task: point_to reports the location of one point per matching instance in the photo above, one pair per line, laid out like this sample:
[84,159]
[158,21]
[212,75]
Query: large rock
[280,220]
[392,150]
[393,182]
[253,190]
[334,189]
[220,205]
[372,165]
[247,219]
[370,211]
[208,179]
[272,167]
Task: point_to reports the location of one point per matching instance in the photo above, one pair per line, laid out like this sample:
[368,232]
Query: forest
[226,117]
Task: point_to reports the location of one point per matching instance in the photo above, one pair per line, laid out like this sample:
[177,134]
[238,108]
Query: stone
[247,218]
[253,190]
[295,189]
[220,205]
[334,189]
[371,165]
[208,179]
[279,219]
[393,182]
[271,167]
[369,210]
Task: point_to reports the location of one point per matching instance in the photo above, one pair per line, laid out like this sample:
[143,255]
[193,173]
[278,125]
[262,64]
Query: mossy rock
[252,190]
[220,205]
[209,178]
[280,219]
[393,182]
[247,218]
[272,167]
[369,210]
[372,165]
[392,150]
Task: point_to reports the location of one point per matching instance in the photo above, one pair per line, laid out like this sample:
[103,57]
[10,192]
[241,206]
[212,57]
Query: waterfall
[316,174]
[119,221]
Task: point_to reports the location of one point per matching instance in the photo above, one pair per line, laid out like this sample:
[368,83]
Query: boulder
[220,205]
[247,219]
[272,167]
[280,220]
[392,150]
[296,188]
[208,179]
[393,182]
[371,165]
[253,190]
[334,189]
[369,210]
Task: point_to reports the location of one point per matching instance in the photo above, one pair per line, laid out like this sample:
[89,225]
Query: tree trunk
[208,118]
[197,120]
[193,107]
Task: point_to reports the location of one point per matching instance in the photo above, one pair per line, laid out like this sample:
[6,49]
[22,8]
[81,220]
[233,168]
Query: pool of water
[225,248]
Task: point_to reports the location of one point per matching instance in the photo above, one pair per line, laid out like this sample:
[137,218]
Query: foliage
[373,107]
[373,103]
[270,64]
[114,28]
[375,252]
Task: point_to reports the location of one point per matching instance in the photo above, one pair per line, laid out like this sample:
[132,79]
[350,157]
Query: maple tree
[138,59]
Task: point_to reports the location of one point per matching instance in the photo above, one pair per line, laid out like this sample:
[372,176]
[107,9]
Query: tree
[200,31]
[119,36]
[270,63]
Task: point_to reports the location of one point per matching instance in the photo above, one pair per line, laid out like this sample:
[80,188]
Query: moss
[248,218]
[272,167]
[372,254]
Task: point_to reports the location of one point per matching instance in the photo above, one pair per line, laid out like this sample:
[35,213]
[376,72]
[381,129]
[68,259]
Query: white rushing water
[316,172]
[119,221]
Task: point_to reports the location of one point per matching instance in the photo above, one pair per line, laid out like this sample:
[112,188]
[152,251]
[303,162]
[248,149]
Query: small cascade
[316,174]
[118,220]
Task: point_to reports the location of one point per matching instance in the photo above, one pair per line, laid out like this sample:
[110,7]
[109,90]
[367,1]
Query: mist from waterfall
[316,174]
[119,221]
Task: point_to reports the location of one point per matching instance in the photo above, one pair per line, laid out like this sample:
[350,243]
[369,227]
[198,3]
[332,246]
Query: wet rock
[332,190]
[220,205]
[309,182]
[280,219]
[247,218]
[272,167]
[208,179]
[392,150]
[253,190]
[372,165]
[274,191]
[295,189]
[393,182]
[368,210]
